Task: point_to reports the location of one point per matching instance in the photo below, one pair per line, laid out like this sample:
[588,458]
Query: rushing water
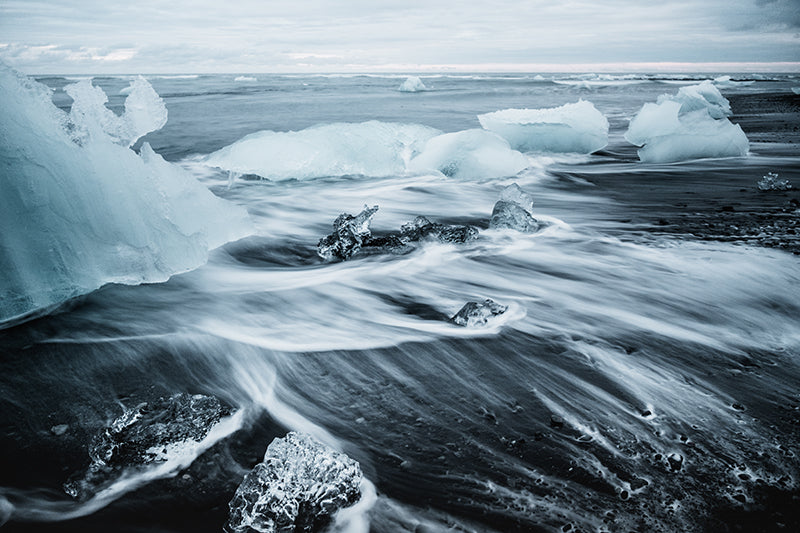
[636,382]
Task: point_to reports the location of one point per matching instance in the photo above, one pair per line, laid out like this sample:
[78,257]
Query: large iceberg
[79,209]
[577,127]
[298,488]
[370,149]
[469,154]
[689,125]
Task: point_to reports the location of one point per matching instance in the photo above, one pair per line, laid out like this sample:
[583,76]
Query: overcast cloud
[107,36]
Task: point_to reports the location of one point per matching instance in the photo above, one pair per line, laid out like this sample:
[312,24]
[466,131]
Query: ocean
[644,377]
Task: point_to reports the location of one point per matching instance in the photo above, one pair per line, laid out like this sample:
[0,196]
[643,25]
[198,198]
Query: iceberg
[469,154]
[577,127]
[689,125]
[298,488]
[412,85]
[79,209]
[369,149]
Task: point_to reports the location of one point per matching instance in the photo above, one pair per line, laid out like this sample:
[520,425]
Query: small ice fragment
[59,430]
[514,211]
[422,228]
[349,234]
[771,182]
[412,84]
[478,314]
[298,488]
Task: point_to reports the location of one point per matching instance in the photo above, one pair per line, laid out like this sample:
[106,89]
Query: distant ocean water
[637,382]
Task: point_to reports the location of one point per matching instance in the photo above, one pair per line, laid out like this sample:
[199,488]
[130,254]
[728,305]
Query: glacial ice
[772,182]
[478,313]
[351,234]
[146,434]
[469,154]
[369,149]
[298,488]
[412,84]
[144,112]
[514,210]
[79,209]
[577,127]
[702,96]
[689,125]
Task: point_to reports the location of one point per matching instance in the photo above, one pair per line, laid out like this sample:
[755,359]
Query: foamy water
[636,382]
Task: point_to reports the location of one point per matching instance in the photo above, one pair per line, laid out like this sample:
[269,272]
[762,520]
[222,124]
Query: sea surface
[639,381]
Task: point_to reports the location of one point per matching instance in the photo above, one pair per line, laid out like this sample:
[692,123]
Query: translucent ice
[422,228]
[349,234]
[577,127]
[79,211]
[689,125]
[297,488]
[144,112]
[469,154]
[771,182]
[514,210]
[370,149]
[149,433]
[478,314]
[412,84]
[703,96]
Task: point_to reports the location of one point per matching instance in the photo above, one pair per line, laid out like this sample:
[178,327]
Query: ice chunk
[469,154]
[148,433]
[298,488]
[422,228]
[726,81]
[478,314]
[771,182]
[690,125]
[144,112]
[514,210]
[78,216]
[349,234]
[245,78]
[412,85]
[796,90]
[577,127]
[369,149]
[703,96]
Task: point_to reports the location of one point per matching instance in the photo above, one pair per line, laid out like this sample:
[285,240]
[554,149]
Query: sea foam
[79,209]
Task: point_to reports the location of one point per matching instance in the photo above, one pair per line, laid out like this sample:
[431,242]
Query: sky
[251,36]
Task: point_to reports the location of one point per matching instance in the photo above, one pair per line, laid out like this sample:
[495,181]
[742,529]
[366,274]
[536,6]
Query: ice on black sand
[478,314]
[298,487]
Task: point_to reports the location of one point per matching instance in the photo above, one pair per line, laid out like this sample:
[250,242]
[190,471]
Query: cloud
[252,36]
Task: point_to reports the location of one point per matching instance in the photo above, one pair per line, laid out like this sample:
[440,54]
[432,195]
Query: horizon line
[661,67]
